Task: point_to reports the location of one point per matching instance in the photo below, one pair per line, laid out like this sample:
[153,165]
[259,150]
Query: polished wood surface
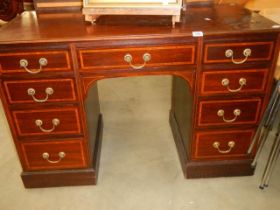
[204,144]
[25,122]
[249,108]
[56,61]
[73,149]
[224,20]
[17,91]
[211,81]
[82,54]
[114,58]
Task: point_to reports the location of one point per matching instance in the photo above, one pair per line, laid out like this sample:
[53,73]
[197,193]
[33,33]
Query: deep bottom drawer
[222,144]
[53,155]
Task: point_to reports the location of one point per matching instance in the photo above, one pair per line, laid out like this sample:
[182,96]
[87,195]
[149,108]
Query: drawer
[53,155]
[40,91]
[228,112]
[237,81]
[222,144]
[136,58]
[238,52]
[35,62]
[47,122]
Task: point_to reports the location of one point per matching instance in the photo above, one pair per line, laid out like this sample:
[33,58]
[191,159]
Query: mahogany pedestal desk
[222,60]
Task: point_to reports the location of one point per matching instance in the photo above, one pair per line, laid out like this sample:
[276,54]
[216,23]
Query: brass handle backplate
[216,145]
[236,113]
[225,82]
[146,58]
[23,63]
[46,157]
[49,91]
[229,54]
[55,123]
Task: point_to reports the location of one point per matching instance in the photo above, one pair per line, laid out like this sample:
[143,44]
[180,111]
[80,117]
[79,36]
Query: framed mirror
[92,9]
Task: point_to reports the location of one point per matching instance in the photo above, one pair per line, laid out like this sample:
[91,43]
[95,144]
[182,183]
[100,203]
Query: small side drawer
[53,155]
[35,62]
[229,112]
[47,122]
[222,144]
[237,52]
[91,59]
[235,81]
[40,91]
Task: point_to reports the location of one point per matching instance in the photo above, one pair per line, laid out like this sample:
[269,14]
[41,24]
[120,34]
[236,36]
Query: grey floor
[139,165]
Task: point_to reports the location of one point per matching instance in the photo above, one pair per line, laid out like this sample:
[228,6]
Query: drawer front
[117,58]
[40,91]
[53,155]
[47,122]
[237,52]
[229,112]
[237,81]
[35,62]
[222,144]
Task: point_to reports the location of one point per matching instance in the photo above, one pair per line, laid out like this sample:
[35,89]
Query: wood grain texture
[57,61]
[73,149]
[114,58]
[26,127]
[204,149]
[211,81]
[207,114]
[215,53]
[17,90]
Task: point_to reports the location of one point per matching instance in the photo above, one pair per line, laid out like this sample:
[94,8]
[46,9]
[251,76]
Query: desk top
[215,20]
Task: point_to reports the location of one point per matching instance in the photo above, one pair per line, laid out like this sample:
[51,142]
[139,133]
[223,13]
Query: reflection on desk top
[215,20]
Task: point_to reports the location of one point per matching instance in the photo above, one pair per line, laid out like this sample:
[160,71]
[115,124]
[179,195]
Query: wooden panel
[211,82]
[26,126]
[56,61]
[208,110]
[17,91]
[114,58]
[215,53]
[73,149]
[203,147]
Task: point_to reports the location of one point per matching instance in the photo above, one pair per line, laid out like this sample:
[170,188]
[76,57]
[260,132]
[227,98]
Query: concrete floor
[139,165]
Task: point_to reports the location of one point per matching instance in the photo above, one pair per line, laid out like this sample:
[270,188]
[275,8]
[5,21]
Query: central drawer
[229,112]
[47,122]
[136,58]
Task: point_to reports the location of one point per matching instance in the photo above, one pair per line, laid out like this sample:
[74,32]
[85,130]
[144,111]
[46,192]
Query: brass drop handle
[146,58]
[225,83]
[46,157]
[55,123]
[49,91]
[216,145]
[236,113]
[24,64]
[229,54]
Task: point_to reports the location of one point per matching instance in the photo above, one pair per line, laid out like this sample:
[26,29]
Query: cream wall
[268,8]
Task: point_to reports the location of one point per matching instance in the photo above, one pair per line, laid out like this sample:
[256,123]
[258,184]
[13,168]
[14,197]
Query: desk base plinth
[73,177]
